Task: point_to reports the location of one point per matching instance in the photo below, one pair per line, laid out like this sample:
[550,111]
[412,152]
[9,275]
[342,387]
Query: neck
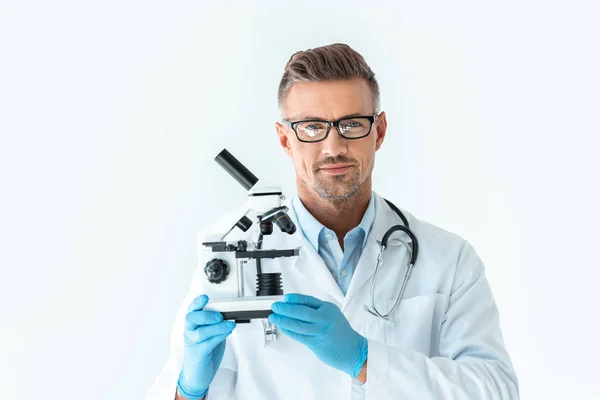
[339,216]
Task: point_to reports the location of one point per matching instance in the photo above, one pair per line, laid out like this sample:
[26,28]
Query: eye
[313,129]
[350,124]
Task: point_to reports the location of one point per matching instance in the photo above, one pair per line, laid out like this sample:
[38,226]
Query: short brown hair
[333,62]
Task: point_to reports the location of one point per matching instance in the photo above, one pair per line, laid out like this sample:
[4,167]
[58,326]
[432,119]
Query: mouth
[335,169]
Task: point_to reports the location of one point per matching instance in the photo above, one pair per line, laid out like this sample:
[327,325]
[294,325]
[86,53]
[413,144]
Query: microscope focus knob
[216,270]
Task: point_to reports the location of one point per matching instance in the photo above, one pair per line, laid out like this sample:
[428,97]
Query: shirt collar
[311,228]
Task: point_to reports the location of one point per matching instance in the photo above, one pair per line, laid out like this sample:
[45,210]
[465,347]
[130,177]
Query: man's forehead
[329,100]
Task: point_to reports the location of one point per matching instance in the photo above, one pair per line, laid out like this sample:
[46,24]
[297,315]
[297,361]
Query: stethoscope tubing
[414,250]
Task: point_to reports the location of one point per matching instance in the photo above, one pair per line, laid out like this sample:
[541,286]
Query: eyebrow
[325,119]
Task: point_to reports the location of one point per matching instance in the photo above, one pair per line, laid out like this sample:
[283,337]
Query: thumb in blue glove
[204,343]
[322,327]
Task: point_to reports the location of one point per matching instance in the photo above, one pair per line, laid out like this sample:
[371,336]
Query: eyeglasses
[316,130]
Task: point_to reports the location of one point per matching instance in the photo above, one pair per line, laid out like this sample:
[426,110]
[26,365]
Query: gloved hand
[203,348]
[321,326]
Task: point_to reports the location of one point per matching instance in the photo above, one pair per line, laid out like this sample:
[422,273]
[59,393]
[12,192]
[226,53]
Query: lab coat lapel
[385,218]
[310,264]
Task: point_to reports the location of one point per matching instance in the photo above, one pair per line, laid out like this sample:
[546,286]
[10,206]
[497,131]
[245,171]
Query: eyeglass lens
[316,130]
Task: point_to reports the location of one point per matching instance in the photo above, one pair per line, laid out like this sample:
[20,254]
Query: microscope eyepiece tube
[236,169]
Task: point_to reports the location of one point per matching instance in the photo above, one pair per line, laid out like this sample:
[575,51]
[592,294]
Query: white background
[111,113]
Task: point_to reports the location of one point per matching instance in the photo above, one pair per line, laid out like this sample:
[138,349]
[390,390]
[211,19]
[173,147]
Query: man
[443,341]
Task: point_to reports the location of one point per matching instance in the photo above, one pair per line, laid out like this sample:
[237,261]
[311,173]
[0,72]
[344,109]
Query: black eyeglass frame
[294,124]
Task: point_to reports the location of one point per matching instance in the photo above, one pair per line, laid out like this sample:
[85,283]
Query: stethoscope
[413,250]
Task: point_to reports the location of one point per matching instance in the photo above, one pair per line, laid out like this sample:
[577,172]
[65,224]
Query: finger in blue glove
[204,343]
[322,327]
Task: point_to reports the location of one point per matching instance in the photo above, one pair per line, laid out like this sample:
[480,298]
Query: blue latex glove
[203,348]
[321,326]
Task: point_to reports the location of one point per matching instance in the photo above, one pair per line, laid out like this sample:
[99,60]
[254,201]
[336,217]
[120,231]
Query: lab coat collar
[312,266]
[312,229]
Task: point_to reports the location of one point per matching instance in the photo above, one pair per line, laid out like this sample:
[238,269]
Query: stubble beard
[338,188]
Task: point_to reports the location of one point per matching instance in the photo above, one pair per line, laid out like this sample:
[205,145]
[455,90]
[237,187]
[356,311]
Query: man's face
[317,163]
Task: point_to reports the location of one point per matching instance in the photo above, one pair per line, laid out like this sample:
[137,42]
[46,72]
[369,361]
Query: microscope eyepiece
[236,169]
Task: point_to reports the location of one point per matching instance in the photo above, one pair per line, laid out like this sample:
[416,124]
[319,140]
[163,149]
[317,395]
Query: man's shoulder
[429,231]
[446,253]
[436,241]
[433,231]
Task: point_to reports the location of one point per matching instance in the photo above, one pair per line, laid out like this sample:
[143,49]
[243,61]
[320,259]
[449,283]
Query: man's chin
[336,196]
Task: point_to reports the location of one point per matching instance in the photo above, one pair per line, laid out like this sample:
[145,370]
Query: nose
[334,145]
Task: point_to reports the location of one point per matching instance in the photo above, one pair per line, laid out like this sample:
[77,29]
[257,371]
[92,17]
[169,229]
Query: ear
[380,129]
[283,137]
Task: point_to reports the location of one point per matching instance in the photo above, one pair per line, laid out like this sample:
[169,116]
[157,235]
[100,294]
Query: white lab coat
[442,342]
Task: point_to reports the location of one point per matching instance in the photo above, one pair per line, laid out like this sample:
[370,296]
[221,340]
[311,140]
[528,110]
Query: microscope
[225,260]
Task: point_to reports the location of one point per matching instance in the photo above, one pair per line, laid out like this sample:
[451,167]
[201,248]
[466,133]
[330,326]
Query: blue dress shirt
[341,264]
